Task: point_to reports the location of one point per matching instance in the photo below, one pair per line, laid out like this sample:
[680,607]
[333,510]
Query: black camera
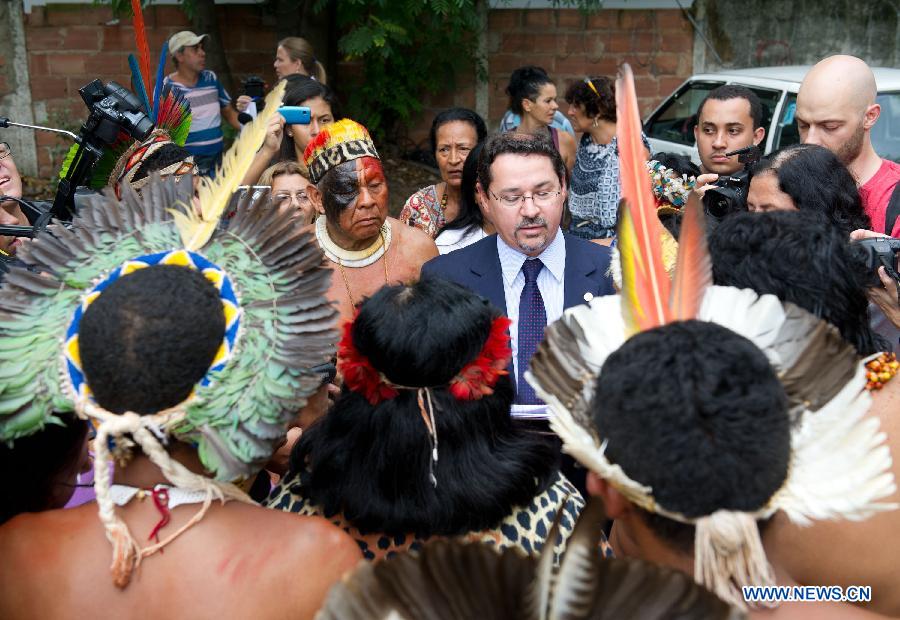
[254,87]
[730,194]
[881,252]
[113,110]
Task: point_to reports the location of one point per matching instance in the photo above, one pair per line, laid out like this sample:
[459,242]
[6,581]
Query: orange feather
[693,270]
[140,36]
[646,302]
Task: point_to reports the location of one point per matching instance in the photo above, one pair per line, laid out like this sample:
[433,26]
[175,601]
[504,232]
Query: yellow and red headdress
[340,142]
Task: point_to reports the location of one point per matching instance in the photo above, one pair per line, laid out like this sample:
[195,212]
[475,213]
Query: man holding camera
[210,103]
[729,118]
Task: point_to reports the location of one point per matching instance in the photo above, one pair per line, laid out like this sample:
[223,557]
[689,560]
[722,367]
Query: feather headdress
[826,403]
[271,282]
[458,581]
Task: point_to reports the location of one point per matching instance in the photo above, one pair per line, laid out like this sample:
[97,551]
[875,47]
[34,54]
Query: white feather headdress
[840,467]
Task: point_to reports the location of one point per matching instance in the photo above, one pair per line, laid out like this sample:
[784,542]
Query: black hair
[299,89]
[35,465]
[733,91]
[600,104]
[457,114]
[800,257]
[816,180]
[518,144]
[150,337]
[469,212]
[711,433]
[167,155]
[525,83]
[371,463]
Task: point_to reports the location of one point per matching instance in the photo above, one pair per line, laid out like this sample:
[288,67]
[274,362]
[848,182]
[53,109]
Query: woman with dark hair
[594,184]
[420,442]
[288,142]
[42,469]
[803,258]
[323,110]
[532,95]
[454,133]
[807,177]
[470,225]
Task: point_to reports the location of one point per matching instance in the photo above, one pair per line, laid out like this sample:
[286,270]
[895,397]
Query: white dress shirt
[550,281]
[458,238]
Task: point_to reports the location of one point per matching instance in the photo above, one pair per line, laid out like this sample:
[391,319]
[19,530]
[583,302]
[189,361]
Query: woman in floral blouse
[454,133]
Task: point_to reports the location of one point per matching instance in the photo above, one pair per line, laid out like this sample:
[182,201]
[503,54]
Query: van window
[769,99]
[786,132]
[675,120]
[886,131]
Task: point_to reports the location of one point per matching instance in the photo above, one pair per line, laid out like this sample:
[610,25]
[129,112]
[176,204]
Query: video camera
[882,252]
[730,193]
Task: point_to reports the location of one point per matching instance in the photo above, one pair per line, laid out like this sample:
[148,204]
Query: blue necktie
[532,321]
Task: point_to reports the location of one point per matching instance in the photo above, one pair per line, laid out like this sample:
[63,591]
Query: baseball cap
[185,38]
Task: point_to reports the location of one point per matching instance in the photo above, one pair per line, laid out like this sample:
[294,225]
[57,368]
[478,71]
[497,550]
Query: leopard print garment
[526,527]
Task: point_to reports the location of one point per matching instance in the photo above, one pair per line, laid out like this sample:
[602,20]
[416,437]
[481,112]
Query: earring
[289,134]
[596,121]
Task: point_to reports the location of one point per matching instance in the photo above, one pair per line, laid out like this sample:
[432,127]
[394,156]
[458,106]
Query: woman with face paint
[366,248]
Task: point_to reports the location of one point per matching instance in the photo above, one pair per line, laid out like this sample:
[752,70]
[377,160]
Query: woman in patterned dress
[454,133]
[594,184]
[437,454]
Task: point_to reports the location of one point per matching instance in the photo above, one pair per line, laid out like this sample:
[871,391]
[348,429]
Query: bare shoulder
[413,240]
[308,537]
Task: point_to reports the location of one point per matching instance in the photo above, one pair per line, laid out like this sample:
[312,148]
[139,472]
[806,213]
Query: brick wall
[69,45]
[571,45]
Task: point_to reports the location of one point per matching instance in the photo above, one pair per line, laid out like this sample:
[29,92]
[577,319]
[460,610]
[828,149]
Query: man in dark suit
[529,269]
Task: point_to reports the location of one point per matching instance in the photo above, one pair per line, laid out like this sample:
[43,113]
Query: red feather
[693,271]
[140,35]
[646,302]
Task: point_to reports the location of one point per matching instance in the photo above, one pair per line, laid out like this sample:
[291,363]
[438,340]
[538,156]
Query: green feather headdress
[272,283]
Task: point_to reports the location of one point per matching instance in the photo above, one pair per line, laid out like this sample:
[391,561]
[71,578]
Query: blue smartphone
[295,115]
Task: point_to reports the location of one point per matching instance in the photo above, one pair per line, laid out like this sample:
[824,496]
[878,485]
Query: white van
[670,127]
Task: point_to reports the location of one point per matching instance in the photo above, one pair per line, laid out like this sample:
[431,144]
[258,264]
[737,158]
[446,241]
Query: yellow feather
[632,264]
[214,194]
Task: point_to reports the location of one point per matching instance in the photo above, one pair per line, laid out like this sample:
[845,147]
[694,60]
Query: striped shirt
[207,99]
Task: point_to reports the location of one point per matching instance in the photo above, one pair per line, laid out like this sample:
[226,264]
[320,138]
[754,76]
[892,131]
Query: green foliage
[407,48]
[410,48]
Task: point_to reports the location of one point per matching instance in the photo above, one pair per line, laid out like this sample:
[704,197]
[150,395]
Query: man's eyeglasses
[283,199]
[5,151]
[515,201]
